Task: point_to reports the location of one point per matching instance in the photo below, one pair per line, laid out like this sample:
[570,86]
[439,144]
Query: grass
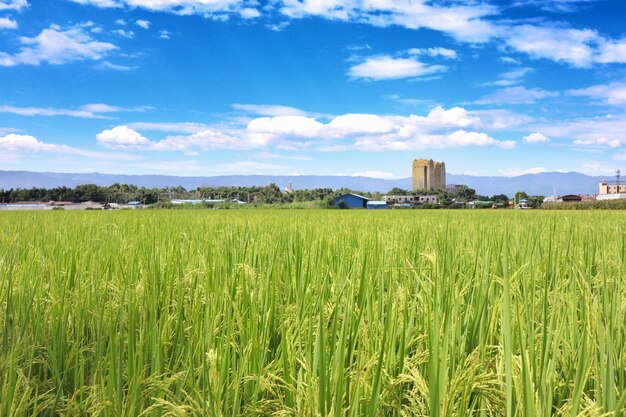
[312,313]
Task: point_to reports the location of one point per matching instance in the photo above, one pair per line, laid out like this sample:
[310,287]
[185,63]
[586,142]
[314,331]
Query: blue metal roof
[355,195]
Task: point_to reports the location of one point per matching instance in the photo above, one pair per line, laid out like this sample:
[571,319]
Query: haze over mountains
[547,183]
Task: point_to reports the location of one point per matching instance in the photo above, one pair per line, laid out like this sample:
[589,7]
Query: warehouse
[351,201]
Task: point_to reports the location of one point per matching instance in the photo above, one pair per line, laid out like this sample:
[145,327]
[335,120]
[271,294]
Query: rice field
[312,313]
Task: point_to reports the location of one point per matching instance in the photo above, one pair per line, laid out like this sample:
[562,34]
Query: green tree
[398,191]
[465,193]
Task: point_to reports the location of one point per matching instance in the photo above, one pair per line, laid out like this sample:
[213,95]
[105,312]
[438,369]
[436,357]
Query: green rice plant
[312,313]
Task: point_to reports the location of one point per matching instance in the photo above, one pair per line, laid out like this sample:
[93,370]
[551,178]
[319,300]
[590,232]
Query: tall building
[428,174]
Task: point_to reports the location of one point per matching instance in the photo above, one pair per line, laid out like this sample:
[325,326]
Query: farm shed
[571,198]
[352,200]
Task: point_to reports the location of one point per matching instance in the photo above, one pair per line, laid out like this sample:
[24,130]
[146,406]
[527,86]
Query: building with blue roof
[351,200]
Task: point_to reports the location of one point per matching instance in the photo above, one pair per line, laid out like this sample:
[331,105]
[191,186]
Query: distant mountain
[547,183]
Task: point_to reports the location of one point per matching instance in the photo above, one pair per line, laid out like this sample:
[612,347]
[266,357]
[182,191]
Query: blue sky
[354,87]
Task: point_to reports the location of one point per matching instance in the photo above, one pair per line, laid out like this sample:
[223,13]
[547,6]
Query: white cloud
[249,13]
[122,137]
[88,111]
[29,144]
[572,46]
[498,119]
[536,138]
[454,117]
[385,67]
[514,172]
[516,95]
[37,111]
[613,93]
[440,128]
[374,174]
[164,34]
[99,3]
[145,24]
[264,130]
[463,22]
[599,142]
[434,52]
[576,47]
[13,4]
[106,65]
[612,51]
[6,23]
[120,22]
[128,34]
[56,46]
[593,132]
[510,78]
[561,6]
[206,140]
[509,60]
[218,9]
[269,110]
[374,132]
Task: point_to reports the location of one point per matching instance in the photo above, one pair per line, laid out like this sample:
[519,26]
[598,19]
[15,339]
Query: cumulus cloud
[13,4]
[440,128]
[57,46]
[536,138]
[385,67]
[6,23]
[128,34]
[612,51]
[145,24]
[122,137]
[572,46]
[577,47]
[30,144]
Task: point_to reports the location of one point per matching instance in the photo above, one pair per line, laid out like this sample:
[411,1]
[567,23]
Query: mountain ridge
[546,183]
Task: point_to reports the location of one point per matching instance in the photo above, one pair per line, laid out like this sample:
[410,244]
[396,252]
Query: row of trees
[270,194]
[123,193]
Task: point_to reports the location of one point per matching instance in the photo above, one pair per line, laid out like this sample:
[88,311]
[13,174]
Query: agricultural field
[312,313]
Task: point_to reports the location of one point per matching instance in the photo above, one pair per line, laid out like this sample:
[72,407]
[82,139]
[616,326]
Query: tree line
[269,194]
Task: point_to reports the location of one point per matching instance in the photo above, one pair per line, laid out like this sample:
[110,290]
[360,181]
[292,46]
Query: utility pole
[618,175]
